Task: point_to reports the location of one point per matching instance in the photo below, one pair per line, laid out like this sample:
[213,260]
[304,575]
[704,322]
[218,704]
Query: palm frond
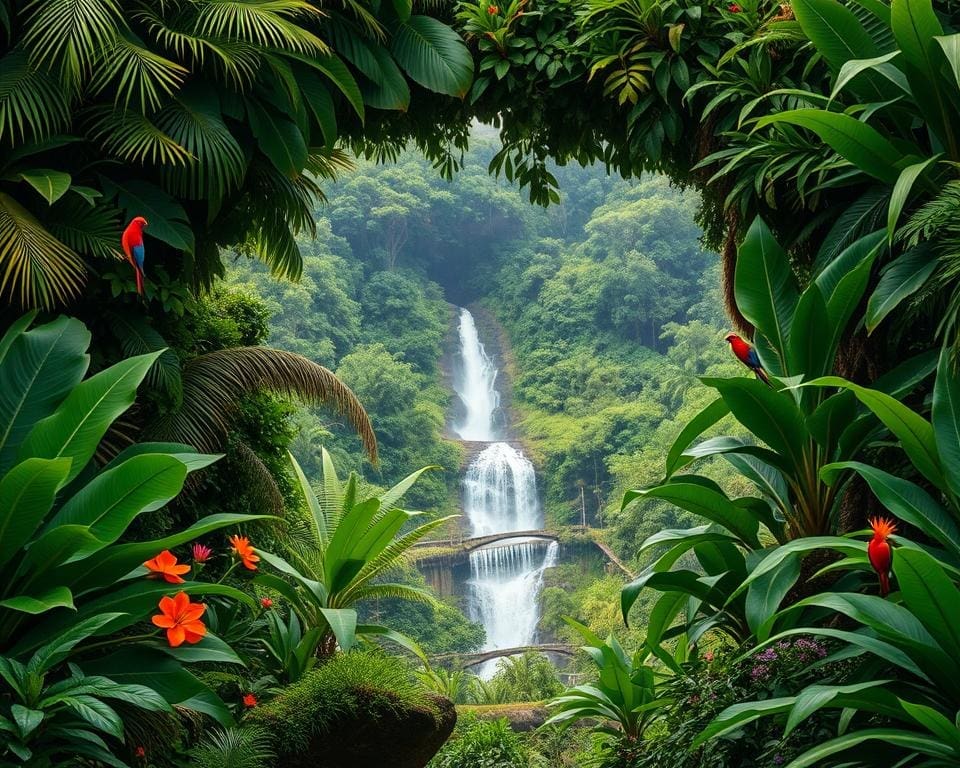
[256,479]
[132,137]
[237,62]
[138,337]
[386,591]
[136,74]
[247,746]
[87,230]
[36,269]
[31,104]
[219,165]
[214,383]
[265,23]
[70,35]
[395,552]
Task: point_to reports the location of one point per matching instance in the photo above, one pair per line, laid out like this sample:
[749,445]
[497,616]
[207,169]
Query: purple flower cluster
[778,759]
[759,672]
[809,649]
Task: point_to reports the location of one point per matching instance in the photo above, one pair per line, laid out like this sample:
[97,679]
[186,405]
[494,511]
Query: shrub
[362,685]
[482,744]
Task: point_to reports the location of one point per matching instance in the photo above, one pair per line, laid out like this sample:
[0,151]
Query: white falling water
[505,584]
[474,382]
[499,496]
[500,492]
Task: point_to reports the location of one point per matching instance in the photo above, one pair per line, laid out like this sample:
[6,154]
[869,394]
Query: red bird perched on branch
[132,242]
[880,552]
[747,355]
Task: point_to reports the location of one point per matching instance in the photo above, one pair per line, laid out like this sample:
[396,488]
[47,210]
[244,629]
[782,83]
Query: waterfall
[500,492]
[499,496]
[474,381]
[505,584]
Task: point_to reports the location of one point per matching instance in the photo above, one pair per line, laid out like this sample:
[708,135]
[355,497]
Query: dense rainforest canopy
[794,536]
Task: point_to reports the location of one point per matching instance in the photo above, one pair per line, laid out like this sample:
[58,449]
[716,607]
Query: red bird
[747,355]
[132,242]
[880,552]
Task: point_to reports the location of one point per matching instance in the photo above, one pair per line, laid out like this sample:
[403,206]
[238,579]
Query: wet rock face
[385,738]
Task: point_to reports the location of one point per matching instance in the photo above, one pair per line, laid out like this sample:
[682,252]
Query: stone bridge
[472,659]
[468,545]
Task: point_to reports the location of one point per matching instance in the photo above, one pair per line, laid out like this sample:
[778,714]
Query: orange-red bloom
[249,700]
[266,602]
[493,10]
[140,752]
[880,552]
[241,546]
[164,566]
[181,619]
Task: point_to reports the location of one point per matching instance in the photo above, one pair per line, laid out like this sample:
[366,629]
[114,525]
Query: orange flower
[879,551]
[241,545]
[164,566]
[493,10]
[266,602]
[181,619]
[249,700]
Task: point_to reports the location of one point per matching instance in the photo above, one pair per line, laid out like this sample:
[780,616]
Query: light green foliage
[482,744]
[527,677]
[247,746]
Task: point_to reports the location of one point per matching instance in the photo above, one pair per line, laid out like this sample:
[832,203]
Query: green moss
[362,685]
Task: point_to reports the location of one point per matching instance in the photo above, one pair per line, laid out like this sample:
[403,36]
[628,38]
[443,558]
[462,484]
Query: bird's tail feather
[139,282]
[762,375]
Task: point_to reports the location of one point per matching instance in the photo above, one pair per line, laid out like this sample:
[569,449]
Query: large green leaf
[707,503]
[915,27]
[772,416]
[52,185]
[900,279]
[167,219]
[810,353]
[765,286]
[164,675]
[26,496]
[693,429]
[58,597]
[340,76]
[911,741]
[945,416]
[913,431]
[433,55]
[861,144]
[906,500]
[930,595]
[343,624]
[279,138]
[75,429]
[765,594]
[39,369]
[835,31]
[111,501]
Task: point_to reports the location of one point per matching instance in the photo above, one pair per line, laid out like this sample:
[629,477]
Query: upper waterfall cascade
[499,496]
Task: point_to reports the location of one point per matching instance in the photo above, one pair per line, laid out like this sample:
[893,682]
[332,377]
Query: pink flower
[201,553]
[708,656]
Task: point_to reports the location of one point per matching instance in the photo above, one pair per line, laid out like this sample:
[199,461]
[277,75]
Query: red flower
[249,700]
[493,10]
[164,566]
[140,752]
[181,619]
[879,551]
[734,8]
[201,553]
[708,656]
[266,602]
[241,546]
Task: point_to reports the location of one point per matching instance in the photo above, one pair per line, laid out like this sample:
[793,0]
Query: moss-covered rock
[357,710]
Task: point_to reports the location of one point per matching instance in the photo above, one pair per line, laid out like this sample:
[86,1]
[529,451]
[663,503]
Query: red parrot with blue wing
[747,355]
[132,242]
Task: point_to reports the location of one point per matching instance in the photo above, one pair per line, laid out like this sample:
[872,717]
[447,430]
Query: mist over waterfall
[499,496]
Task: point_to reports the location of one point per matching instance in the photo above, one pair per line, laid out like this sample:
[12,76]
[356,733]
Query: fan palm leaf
[31,104]
[36,269]
[264,23]
[136,74]
[214,383]
[85,229]
[132,137]
[386,591]
[256,478]
[70,35]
